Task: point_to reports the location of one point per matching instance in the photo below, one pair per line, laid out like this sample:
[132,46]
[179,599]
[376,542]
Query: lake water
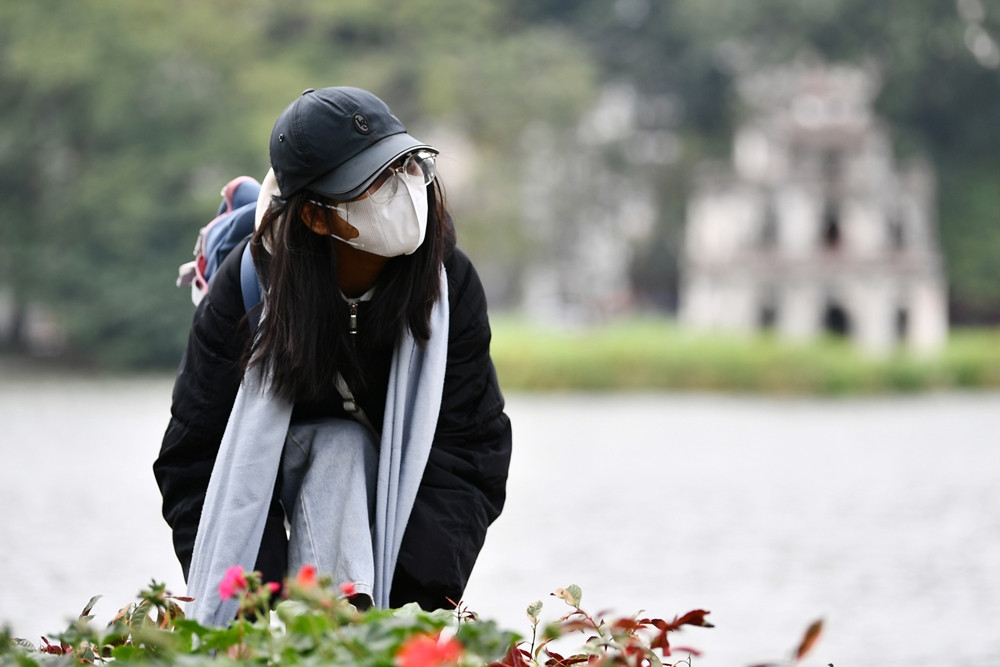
[881,516]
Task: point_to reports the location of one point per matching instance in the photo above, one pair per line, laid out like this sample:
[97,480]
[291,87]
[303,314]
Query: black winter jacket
[463,486]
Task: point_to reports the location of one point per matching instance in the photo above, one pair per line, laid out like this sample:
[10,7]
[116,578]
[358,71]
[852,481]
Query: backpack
[233,222]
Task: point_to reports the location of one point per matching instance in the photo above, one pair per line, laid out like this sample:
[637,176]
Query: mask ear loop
[339,209]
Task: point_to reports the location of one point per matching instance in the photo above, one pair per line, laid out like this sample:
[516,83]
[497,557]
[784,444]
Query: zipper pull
[354,318]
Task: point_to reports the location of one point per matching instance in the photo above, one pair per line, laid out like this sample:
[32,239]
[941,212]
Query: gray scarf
[242,481]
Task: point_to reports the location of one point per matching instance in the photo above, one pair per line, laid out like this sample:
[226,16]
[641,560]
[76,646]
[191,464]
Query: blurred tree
[115,115]
[121,120]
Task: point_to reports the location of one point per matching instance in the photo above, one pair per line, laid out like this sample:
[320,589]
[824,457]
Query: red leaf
[661,642]
[50,648]
[810,639]
[696,617]
[577,624]
[515,657]
[628,624]
[658,623]
[555,656]
[560,661]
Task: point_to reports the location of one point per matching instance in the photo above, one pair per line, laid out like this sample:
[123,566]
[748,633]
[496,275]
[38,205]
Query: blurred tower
[587,204]
[813,228]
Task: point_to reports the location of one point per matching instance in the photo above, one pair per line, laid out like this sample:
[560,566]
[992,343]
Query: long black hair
[303,339]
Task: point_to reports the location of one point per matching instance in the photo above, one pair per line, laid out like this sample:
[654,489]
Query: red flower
[232,582]
[347,588]
[306,578]
[428,651]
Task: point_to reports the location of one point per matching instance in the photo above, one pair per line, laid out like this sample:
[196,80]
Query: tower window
[902,323]
[831,226]
[767,316]
[836,321]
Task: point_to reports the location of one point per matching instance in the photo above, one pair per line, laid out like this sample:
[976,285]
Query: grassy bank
[656,354]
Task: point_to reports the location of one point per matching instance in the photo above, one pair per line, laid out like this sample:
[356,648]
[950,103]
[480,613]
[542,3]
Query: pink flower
[347,588]
[306,578]
[429,651]
[232,581]
[273,586]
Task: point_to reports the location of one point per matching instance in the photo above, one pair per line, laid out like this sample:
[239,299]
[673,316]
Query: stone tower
[813,228]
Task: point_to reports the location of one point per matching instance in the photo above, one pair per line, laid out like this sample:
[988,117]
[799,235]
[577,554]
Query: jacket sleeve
[464,484]
[203,397]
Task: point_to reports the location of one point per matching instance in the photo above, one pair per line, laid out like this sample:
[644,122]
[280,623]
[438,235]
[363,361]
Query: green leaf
[191,627]
[23,644]
[288,610]
[90,605]
[571,594]
[313,625]
[533,610]
[487,640]
[222,639]
[87,655]
[139,615]
[189,635]
[126,653]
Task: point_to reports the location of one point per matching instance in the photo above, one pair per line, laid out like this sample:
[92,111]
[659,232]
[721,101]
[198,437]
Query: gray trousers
[328,478]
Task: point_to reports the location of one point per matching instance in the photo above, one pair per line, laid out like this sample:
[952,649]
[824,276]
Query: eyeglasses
[418,163]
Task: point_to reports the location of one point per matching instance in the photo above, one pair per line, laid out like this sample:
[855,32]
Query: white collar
[367,296]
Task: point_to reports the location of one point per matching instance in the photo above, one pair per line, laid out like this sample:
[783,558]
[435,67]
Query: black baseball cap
[336,141]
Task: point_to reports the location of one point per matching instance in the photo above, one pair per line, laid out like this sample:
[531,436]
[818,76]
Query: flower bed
[313,623]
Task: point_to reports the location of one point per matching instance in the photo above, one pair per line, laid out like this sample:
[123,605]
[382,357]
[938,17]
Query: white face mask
[391,221]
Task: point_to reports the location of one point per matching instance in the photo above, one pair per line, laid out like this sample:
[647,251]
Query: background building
[813,228]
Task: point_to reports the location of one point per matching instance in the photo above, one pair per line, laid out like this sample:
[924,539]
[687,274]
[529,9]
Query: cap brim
[352,178]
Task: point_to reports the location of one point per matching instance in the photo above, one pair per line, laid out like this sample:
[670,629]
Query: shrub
[313,623]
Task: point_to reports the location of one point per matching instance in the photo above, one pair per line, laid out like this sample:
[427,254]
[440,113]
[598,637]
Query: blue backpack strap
[250,285]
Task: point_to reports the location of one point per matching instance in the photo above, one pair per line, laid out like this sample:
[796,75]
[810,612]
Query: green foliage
[315,625]
[970,196]
[122,120]
[654,354]
[121,106]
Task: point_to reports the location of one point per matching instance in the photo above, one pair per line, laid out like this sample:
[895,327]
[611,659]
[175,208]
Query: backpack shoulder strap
[250,285]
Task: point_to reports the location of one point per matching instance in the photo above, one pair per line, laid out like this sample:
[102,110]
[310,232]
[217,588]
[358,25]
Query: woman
[362,410]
